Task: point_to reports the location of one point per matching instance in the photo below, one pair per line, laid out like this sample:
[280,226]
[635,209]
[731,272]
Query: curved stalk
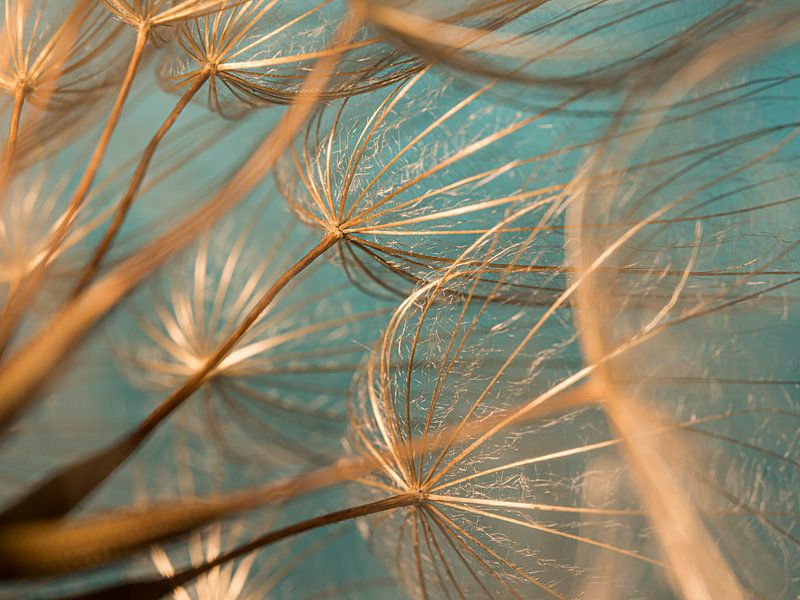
[61,493]
[135,185]
[79,195]
[157,588]
[13,135]
[15,305]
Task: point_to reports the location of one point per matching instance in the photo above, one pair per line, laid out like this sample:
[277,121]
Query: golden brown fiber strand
[13,132]
[82,189]
[128,199]
[156,13]
[24,372]
[156,588]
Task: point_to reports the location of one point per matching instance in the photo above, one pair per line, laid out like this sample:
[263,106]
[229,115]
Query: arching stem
[15,305]
[13,136]
[158,588]
[89,174]
[60,493]
[135,185]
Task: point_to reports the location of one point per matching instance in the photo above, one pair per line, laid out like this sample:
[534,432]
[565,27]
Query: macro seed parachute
[163,13]
[399,299]
[28,372]
[409,177]
[53,52]
[259,53]
[57,59]
[288,376]
[506,509]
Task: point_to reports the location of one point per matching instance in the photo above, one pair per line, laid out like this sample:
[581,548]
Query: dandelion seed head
[287,374]
[55,57]
[260,53]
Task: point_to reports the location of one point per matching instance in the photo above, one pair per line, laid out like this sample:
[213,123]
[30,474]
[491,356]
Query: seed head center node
[336,230]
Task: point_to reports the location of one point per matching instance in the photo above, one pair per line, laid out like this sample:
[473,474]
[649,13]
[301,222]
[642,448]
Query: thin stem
[60,493]
[153,589]
[125,204]
[222,351]
[13,134]
[15,305]
[102,144]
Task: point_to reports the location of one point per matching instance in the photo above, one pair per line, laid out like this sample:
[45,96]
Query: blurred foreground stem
[152,589]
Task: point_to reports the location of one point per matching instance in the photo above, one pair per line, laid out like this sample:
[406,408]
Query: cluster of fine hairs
[430,299]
